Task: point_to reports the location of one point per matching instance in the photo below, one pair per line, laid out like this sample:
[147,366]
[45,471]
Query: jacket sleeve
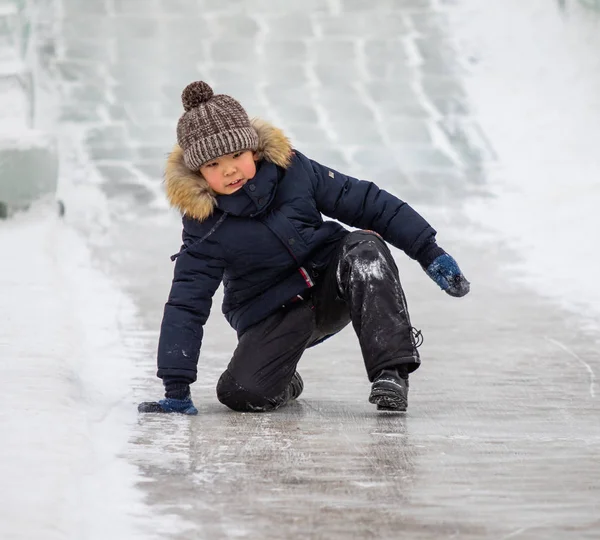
[198,274]
[362,204]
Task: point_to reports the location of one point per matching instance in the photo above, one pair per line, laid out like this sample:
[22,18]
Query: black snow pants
[360,285]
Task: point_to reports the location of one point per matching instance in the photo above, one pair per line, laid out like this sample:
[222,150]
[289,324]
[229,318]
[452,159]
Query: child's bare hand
[445,272]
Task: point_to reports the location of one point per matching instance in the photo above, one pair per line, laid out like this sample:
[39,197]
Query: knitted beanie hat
[212,126]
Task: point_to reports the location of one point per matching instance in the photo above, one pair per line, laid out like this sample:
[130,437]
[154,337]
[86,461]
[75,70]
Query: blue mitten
[445,272]
[169,405]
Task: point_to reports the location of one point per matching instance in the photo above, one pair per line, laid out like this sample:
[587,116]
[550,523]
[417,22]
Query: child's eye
[237,154]
[212,165]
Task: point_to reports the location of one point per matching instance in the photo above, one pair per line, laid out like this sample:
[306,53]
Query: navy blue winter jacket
[267,242]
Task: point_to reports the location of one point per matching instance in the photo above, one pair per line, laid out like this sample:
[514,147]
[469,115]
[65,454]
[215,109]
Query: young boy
[252,217]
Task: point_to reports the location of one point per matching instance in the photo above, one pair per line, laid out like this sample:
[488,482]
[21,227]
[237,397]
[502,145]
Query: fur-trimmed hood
[190,193]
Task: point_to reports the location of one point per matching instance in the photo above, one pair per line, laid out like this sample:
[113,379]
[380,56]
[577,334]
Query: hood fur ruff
[190,193]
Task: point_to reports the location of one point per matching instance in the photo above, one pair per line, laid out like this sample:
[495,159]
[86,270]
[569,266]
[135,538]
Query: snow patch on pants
[365,269]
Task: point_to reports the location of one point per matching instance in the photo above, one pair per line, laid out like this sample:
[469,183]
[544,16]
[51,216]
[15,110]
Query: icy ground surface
[64,414]
[502,435]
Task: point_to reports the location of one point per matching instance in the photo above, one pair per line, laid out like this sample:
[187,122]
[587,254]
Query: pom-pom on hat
[212,126]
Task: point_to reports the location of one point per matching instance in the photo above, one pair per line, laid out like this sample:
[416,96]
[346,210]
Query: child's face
[228,173]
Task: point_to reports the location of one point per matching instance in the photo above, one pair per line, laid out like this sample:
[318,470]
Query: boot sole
[388,400]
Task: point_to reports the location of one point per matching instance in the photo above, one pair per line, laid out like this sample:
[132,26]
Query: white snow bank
[14,104]
[66,403]
[8,9]
[16,136]
[12,66]
[533,84]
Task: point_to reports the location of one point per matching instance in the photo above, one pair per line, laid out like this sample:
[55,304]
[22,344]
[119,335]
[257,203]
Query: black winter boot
[295,387]
[390,391]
